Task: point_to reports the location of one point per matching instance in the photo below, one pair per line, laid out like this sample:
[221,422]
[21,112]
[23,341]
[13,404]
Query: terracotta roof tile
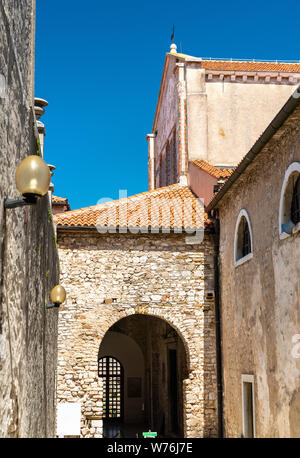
[172,207]
[251,66]
[243,65]
[212,170]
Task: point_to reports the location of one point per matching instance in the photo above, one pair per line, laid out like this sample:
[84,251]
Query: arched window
[111,371]
[289,210]
[243,245]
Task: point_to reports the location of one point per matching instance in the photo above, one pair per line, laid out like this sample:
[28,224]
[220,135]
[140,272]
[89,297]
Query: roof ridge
[169,205]
[208,163]
[217,172]
[250,61]
[155,191]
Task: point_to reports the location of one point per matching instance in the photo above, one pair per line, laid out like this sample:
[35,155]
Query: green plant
[49,215]
[47,273]
[55,240]
[38,147]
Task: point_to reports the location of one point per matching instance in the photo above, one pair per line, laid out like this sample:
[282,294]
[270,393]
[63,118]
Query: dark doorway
[173,391]
[143,378]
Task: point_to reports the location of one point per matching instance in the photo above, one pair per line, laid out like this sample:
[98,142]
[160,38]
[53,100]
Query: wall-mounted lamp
[32,180]
[58,296]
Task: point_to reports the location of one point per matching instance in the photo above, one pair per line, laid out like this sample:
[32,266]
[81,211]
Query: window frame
[240,261]
[293,168]
[247,378]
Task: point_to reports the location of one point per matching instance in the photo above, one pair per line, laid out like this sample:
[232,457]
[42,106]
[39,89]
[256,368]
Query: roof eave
[161,90]
[136,230]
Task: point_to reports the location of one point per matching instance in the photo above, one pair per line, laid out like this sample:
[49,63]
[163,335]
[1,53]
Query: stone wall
[28,254]
[113,276]
[260,298]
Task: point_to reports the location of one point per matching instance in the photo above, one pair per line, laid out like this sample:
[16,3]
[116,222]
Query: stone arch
[82,358]
[156,314]
[168,360]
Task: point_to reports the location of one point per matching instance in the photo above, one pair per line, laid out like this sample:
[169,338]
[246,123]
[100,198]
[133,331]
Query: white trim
[246,378]
[244,259]
[249,256]
[294,167]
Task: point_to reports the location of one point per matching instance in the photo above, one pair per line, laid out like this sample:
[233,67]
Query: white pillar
[151,164]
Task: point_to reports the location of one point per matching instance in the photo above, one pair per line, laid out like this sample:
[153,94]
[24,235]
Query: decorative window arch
[289,208]
[243,239]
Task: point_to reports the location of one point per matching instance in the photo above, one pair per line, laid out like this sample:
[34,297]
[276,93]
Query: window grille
[111,371]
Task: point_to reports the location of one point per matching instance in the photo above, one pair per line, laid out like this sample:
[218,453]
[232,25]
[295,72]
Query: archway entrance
[142,362]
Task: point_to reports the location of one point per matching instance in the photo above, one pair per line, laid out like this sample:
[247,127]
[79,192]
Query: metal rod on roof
[230,59]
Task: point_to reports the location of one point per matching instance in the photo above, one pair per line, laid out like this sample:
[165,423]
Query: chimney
[151,165]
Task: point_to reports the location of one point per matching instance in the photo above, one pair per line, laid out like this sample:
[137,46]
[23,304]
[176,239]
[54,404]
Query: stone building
[139,335]
[258,212]
[144,299]
[28,254]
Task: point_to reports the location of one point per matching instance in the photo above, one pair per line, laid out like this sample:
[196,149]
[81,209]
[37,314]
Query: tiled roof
[240,65]
[251,66]
[212,170]
[171,207]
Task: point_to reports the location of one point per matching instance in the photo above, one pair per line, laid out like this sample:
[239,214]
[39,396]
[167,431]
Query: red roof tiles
[212,170]
[251,66]
[172,207]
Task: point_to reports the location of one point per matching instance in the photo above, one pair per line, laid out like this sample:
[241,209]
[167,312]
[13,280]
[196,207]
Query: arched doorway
[149,363]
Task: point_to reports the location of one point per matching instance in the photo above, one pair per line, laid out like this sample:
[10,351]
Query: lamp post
[58,296]
[32,181]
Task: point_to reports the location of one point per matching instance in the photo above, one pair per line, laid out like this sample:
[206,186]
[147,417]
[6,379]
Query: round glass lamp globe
[58,294]
[33,176]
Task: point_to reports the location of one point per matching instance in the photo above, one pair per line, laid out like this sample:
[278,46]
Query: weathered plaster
[260,299]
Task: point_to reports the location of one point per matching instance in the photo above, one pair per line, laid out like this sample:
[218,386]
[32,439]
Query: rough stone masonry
[112,276]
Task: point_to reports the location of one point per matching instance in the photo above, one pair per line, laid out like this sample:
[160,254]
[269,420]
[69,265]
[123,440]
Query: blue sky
[99,65]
